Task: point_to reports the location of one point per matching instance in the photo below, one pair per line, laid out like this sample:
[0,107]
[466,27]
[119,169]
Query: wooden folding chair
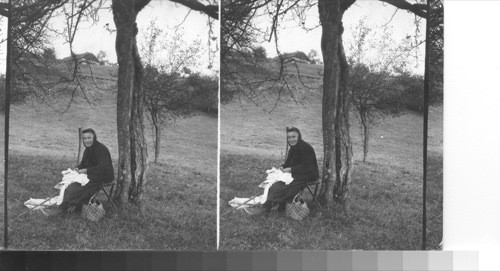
[313,194]
[108,195]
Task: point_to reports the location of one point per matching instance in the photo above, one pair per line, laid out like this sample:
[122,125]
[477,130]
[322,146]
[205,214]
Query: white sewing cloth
[39,203]
[273,175]
[72,176]
[242,202]
[69,176]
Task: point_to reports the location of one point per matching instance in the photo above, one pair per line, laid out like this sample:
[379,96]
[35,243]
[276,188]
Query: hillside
[54,70]
[2,172]
[44,141]
[385,194]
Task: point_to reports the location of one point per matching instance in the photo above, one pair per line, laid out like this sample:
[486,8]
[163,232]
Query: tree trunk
[132,152]
[157,138]
[139,152]
[343,145]
[337,161]
[366,136]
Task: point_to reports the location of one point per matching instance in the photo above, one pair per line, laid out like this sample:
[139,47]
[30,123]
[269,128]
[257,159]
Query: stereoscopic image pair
[231,125]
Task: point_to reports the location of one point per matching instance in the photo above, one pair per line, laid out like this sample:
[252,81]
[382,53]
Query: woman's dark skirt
[281,192]
[78,194]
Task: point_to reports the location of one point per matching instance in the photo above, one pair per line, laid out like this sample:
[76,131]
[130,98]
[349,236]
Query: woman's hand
[82,171]
[287,170]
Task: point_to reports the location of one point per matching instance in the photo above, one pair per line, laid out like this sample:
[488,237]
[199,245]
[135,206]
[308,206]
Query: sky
[94,37]
[375,14]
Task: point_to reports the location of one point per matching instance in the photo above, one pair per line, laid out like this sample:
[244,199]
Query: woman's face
[293,137]
[88,139]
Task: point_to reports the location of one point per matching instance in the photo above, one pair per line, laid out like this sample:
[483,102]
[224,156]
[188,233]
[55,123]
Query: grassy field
[385,202]
[180,195]
[2,161]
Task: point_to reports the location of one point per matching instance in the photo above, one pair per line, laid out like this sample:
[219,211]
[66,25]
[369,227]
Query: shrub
[205,96]
[413,91]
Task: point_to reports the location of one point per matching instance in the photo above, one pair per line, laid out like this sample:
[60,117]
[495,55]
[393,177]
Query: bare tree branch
[418,9]
[210,10]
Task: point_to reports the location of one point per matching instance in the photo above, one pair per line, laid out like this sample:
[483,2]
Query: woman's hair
[294,129]
[90,130]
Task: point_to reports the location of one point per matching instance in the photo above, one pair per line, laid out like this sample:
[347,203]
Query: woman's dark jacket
[97,160]
[302,159]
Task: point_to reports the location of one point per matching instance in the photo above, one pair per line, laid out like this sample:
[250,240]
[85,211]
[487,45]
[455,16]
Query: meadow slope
[180,195]
[2,173]
[385,199]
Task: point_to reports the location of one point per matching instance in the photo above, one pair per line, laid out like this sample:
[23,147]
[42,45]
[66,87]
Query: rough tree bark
[139,153]
[365,134]
[132,151]
[338,160]
[132,148]
[157,139]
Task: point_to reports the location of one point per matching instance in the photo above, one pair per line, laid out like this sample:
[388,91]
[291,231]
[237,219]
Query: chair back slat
[286,142]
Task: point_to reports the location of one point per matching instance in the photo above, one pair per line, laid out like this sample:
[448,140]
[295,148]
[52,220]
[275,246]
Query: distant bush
[205,96]
[374,94]
[227,93]
[313,56]
[260,53]
[19,88]
[16,94]
[49,54]
[389,94]
[413,91]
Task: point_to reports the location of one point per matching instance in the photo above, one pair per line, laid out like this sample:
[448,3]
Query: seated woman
[96,163]
[301,162]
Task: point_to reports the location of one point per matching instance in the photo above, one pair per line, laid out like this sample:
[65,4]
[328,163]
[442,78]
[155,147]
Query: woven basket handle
[93,198]
[295,198]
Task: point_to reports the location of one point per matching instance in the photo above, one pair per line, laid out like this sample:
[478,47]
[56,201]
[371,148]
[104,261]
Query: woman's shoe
[255,210]
[281,207]
[50,212]
[61,209]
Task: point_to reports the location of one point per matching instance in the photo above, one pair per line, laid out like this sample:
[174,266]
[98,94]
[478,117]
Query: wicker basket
[297,209]
[93,211]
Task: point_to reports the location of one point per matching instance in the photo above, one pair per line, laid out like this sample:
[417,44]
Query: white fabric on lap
[37,203]
[273,175]
[242,202]
[69,176]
